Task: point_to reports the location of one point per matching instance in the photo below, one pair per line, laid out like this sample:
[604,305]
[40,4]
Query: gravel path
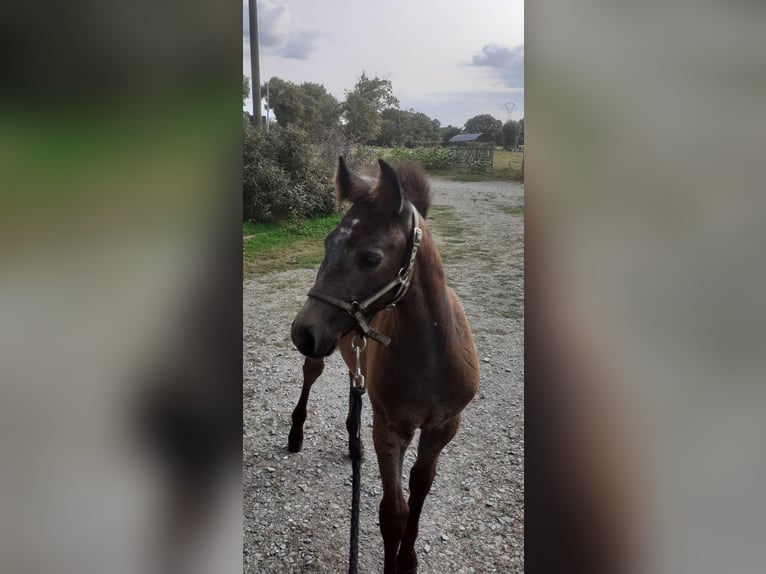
[297,506]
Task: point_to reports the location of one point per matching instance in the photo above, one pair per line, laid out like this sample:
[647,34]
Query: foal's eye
[370,260]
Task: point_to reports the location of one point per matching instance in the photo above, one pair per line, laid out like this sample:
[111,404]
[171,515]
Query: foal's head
[363,253]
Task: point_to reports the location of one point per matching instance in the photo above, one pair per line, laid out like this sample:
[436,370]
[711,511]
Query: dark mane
[415,184]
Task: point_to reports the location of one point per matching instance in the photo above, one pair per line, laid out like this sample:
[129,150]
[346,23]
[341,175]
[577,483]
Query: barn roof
[471,138]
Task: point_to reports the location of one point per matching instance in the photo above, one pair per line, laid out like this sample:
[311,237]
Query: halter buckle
[357,380]
[358,310]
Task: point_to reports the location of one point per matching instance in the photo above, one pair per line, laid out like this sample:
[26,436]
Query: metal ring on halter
[355,346]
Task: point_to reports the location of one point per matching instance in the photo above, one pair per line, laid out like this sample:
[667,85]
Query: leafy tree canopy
[483,124]
[364,104]
[407,128]
[511,131]
[307,106]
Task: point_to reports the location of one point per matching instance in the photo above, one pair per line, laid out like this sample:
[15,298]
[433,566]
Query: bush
[281,180]
[442,158]
[335,143]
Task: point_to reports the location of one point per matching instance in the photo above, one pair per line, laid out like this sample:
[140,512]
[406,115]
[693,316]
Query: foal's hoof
[410,561]
[294,442]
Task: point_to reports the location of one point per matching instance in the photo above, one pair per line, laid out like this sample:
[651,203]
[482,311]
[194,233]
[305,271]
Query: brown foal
[428,372]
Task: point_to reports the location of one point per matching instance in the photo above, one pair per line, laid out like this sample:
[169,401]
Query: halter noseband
[358,310]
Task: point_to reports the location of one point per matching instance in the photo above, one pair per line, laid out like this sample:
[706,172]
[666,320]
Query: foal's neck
[427,296]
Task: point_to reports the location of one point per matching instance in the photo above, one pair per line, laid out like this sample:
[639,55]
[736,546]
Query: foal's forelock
[408,181]
[415,186]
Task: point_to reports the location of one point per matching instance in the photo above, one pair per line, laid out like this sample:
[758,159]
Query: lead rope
[354,440]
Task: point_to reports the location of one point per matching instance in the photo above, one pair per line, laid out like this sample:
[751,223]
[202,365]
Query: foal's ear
[348,185]
[389,191]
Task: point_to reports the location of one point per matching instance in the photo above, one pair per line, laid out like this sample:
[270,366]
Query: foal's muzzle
[312,341]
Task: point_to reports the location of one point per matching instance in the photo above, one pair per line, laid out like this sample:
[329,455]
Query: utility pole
[255,80]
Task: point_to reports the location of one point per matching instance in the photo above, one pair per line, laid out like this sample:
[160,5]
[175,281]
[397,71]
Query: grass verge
[511,209]
[268,248]
[447,225]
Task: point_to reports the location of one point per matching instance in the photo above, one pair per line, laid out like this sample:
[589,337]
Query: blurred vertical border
[120,286]
[645,322]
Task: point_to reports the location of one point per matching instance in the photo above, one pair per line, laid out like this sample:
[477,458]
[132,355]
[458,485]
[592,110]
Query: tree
[363,106]
[511,131]
[521,131]
[321,110]
[286,99]
[407,128]
[390,128]
[307,106]
[483,124]
[449,132]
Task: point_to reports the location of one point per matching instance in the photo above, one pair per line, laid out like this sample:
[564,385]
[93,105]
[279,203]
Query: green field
[508,162]
[268,247]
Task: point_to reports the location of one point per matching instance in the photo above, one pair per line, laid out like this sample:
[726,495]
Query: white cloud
[280,34]
[505,63]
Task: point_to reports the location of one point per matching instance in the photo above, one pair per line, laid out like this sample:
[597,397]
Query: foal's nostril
[304,341]
[309,345]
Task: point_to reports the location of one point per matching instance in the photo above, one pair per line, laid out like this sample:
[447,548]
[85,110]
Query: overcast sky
[448,59]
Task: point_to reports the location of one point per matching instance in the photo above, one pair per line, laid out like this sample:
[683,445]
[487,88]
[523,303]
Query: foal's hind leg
[422,475]
[312,368]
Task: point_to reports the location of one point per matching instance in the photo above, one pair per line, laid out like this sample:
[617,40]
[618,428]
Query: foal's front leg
[390,445]
[312,368]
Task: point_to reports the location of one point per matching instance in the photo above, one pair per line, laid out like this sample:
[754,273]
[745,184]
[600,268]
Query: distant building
[466,139]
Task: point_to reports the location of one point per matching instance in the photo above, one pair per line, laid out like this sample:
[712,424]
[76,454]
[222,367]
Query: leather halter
[359,310]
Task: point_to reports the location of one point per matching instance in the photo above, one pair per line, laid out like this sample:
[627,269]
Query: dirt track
[297,506]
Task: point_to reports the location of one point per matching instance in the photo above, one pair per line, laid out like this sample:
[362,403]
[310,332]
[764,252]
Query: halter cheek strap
[358,310]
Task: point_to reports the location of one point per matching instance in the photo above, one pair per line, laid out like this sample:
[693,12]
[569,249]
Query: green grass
[449,228]
[271,247]
[511,209]
[507,165]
